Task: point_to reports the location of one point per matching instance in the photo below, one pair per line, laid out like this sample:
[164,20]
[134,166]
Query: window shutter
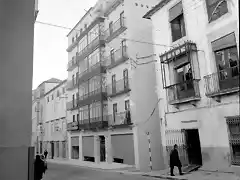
[224,42]
[175,11]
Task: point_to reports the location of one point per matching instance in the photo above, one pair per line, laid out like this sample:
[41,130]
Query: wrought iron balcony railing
[96,69]
[92,46]
[183,92]
[117,28]
[73,126]
[223,82]
[72,64]
[94,122]
[117,57]
[98,20]
[121,119]
[120,87]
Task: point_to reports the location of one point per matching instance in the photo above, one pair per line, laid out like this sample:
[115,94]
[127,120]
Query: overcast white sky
[50,43]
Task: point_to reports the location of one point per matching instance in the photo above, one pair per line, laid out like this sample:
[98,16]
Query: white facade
[135,37]
[205,113]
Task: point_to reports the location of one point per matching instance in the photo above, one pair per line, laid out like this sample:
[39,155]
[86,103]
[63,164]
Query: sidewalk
[197,175]
[164,174]
[101,165]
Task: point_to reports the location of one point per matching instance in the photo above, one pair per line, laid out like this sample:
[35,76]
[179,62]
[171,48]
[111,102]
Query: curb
[163,177]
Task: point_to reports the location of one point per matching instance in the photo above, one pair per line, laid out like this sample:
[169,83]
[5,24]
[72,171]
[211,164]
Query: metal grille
[234,138]
[177,136]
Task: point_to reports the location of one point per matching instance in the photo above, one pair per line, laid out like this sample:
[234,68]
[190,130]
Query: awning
[88,146]
[175,11]
[224,42]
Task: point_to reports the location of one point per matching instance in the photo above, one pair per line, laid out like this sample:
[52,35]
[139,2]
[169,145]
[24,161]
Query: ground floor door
[102,148]
[64,149]
[193,146]
[88,148]
[52,149]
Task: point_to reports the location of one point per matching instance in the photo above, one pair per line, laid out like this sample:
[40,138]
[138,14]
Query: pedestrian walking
[39,168]
[175,161]
[45,153]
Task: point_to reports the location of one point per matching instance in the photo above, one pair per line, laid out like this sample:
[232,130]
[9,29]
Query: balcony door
[73,100]
[122,19]
[228,68]
[111,28]
[125,79]
[114,112]
[112,56]
[114,84]
[123,47]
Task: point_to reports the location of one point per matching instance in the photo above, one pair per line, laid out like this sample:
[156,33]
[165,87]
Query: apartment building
[39,111]
[198,79]
[110,97]
[55,123]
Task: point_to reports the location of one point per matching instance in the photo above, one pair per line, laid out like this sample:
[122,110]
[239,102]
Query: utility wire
[128,39]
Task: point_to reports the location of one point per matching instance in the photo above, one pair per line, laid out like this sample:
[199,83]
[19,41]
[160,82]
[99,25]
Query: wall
[143,94]
[15,94]
[209,113]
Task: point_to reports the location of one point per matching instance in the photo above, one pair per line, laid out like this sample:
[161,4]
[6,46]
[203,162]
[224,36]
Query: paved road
[68,172]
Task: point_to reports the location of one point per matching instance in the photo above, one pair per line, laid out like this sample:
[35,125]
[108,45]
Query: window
[72,39]
[227,61]
[176,19]
[73,100]
[47,99]
[81,30]
[77,117]
[73,118]
[234,134]
[63,89]
[216,9]
[73,77]
[52,97]
[58,93]
[85,26]
[112,55]
[114,111]
[125,78]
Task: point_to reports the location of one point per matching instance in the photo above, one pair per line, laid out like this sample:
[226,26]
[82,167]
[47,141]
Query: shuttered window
[216,9]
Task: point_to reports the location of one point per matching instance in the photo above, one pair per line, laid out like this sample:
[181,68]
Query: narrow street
[68,172]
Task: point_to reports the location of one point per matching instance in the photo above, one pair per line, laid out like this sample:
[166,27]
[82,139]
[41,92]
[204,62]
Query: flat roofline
[80,20]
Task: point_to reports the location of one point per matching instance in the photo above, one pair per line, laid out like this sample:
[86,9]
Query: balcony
[94,123]
[72,84]
[120,120]
[93,96]
[92,71]
[120,87]
[117,57]
[84,33]
[92,46]
[72,64]
[222,82]
[117,28]
[72,105]
[183,92]
[72,126]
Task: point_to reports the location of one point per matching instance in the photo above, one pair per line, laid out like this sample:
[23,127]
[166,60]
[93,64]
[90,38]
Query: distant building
[110,97]
[39,111]
[198,79]
[54,125]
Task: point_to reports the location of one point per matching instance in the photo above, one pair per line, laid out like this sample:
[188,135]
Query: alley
[68,172]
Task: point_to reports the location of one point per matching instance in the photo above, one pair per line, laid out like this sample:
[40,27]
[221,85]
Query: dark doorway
[193,147]
[102,149]
[52,149]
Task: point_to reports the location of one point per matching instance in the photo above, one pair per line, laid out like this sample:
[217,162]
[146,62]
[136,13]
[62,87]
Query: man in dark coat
[38,168]
[45,153]
[175,161]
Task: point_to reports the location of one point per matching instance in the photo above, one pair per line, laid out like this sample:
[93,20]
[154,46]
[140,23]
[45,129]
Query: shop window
[176,19]
[216,9]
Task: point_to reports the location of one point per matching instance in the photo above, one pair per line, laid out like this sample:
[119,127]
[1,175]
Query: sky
[50,43]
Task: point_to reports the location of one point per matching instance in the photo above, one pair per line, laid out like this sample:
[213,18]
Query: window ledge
[185,100]
[224,92]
